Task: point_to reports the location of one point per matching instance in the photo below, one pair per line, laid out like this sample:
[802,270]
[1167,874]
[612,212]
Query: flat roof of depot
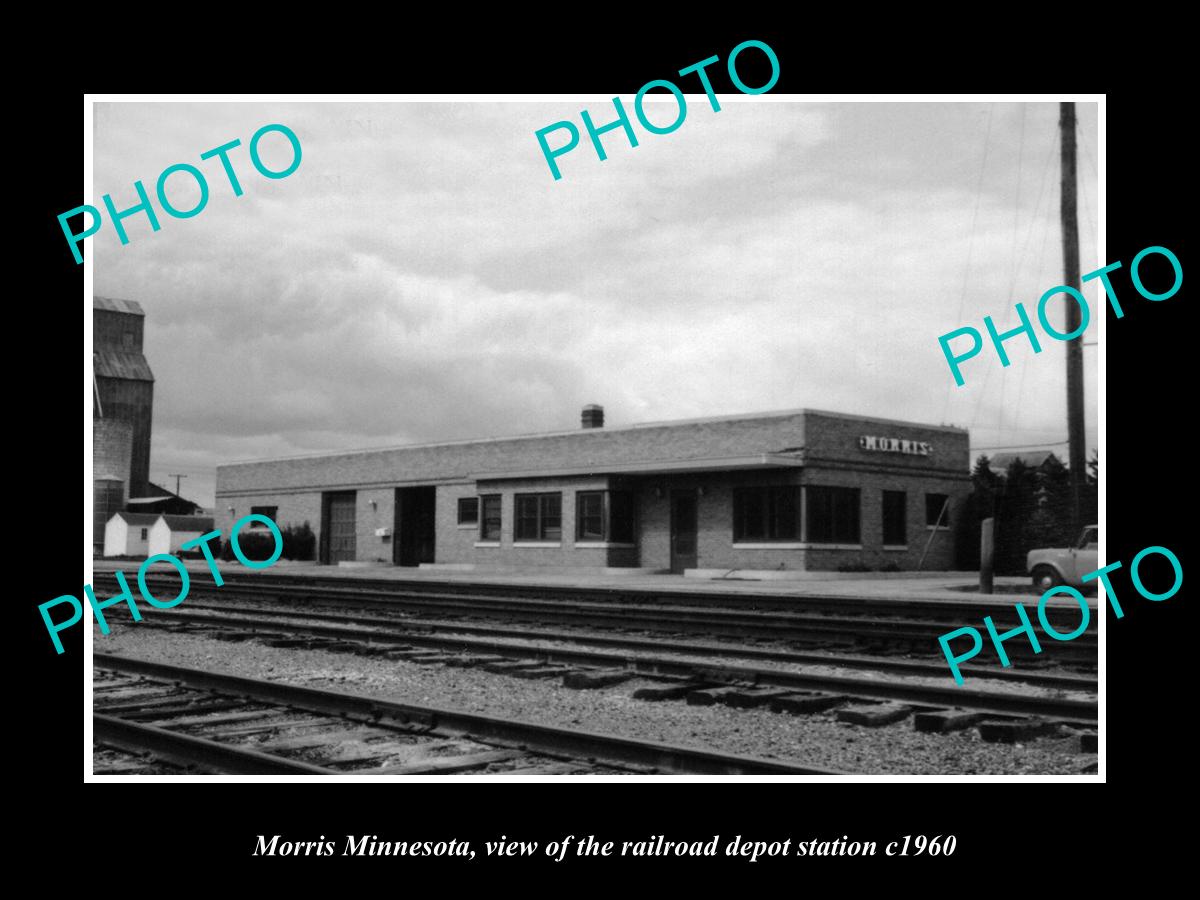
[759,440]
[605,429]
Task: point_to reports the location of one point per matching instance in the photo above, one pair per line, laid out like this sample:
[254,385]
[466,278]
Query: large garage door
[338,533]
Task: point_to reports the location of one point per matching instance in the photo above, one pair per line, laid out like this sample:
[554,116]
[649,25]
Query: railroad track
[174,716]
[893,630]
[583,666]
[966,609]
[426,632]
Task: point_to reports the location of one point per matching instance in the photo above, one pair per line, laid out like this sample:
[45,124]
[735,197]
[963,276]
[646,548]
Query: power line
[1040,266]
[1023,446]
[1033,222]
[1016,260]
[962,302]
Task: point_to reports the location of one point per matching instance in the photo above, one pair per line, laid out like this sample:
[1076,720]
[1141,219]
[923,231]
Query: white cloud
[422,276]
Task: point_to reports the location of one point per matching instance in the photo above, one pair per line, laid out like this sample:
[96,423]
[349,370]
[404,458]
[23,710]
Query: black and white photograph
[512,438]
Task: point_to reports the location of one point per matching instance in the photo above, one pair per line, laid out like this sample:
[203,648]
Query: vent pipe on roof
[592,416]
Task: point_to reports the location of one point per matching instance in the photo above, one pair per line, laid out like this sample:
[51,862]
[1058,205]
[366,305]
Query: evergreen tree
[1014,514]
[981,504]
[1091,491]
[1051,524]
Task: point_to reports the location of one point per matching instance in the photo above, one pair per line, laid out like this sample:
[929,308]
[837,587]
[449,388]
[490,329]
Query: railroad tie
[939,721]
[584,679]
[805,702]
[673,692]
[874,715]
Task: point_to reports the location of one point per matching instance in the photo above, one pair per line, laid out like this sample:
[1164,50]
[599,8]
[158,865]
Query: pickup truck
[1049,568]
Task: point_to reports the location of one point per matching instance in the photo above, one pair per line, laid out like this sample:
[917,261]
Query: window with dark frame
[489,520]
[604,516]
[833,515]
[933,510]
[589,516]
[145,533]
[538,517]
[269,511]
[895,519]
[770,513]
[468,510]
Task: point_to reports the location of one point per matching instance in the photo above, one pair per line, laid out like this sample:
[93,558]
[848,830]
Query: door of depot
[415,526]
[338,533]
[683,530]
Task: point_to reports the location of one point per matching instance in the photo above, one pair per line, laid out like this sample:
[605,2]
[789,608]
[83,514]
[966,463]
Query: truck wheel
[1044,578]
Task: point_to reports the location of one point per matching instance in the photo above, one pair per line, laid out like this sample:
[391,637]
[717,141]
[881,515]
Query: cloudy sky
[423,277]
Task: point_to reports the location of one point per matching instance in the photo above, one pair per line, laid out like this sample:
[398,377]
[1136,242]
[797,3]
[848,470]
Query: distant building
[112,455]
[160,500]
[128,534]
[169,532]
[1034,459]
[123,382]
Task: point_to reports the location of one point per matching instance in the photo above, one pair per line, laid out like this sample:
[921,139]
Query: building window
[127,339]
[937,510]
[269,511]
[145,533]
[589,516]
[604,516]
[895,515]
[766,513]
[833,515]
[490,520]
[539,517]
[468,510]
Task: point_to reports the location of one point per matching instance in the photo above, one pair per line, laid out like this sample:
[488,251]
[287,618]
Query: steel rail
[970,607]
[905,667]
[739,623]
[186,749]
[1064,709]
[543,739]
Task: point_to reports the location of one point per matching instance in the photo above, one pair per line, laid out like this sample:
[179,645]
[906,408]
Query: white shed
[128,534]
[169,532]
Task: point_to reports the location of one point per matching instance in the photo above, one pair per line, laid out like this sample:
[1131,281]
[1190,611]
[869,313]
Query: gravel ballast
[814,739]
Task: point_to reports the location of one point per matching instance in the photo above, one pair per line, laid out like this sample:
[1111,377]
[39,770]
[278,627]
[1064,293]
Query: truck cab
[1068,565]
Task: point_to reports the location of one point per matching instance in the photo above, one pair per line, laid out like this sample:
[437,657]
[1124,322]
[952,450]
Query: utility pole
[177,478]
[1070,235]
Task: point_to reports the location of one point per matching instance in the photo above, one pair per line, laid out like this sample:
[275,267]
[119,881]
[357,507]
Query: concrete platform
[945,586]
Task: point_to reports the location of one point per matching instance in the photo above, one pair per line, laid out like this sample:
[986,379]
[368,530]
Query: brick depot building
[794,490]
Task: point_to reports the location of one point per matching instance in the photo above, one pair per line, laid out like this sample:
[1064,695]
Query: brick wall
[871,487]
[830,437]
[368,546]
[509,553]
[830,451]
[294,509]
[455,544]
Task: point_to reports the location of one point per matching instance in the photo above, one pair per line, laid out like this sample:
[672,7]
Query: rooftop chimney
[593,416]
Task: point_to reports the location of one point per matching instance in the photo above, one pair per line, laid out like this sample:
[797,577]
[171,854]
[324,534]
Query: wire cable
[962,302]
